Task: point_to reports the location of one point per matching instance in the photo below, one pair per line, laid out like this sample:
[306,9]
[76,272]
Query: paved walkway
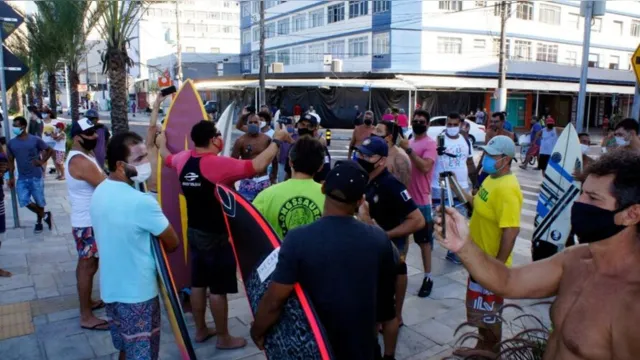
[39,316]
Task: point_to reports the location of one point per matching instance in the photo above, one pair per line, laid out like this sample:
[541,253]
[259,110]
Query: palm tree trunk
[31,94]
[53,100]
[74,80]
[38,94]
[15,101]
[119,99]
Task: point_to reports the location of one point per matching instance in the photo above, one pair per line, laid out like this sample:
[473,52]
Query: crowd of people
[345,229]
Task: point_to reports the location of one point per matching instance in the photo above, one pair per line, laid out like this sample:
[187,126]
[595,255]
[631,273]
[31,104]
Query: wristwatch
[277,142]
[408,151]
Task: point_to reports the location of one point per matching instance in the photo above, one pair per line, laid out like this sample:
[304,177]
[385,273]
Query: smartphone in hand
[168,90]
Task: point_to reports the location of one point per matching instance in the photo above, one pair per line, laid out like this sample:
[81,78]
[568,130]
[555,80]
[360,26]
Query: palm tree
[119,19]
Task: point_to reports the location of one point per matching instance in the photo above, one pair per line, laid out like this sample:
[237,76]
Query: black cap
[310,118]
[346,182]
[373,145]
[80,126]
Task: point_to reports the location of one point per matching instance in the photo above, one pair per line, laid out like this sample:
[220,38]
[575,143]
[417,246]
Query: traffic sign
[14,69]
[10,20]
[635,62]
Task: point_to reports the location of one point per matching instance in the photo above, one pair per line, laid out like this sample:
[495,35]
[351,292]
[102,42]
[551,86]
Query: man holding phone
[152,133]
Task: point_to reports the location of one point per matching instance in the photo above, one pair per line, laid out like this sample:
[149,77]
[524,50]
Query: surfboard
[558,192]
[225,127]
[298,334]
[185,111]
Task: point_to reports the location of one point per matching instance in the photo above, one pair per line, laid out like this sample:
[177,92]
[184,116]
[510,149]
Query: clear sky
[30,7]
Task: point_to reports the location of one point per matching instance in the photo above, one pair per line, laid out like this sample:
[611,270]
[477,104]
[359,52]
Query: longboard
[558,192]
[298,334]
[225,127]
[185,111]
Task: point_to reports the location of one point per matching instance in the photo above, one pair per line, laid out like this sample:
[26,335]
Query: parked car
[477,133]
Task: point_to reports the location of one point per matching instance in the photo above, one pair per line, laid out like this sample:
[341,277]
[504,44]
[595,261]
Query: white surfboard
[224,126]
[558,191]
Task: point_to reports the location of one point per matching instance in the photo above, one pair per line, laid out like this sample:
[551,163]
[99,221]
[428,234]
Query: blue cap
[91,114]
[373,145]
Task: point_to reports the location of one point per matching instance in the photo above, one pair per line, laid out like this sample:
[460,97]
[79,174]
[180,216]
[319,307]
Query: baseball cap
[550,121]
[91,114]
[500,145]
[310,118]
[373,145]
[285,120]
[81,126]
[346,182]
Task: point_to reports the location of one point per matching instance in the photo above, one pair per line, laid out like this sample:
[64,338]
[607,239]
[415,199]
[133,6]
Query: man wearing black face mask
[308,126]
[361,132]
[392,208]
[596,310]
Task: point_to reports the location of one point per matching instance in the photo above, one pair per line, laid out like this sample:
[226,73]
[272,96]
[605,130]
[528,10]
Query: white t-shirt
[548,141]
[457,165]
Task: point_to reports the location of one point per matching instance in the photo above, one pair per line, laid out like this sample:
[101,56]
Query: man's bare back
[362,132]
[399,164]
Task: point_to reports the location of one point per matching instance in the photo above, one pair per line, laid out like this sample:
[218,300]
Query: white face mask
[262,124]
[453,131]
[584,148]
[620,141]
[144,172]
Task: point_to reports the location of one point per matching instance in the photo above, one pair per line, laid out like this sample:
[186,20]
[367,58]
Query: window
[596,25]
[522,50]
[380,6]
[316,18]
[524,10]
[255,6]
[618,27]
[190,49]
[316,53]
[635,28]
[213,15]
[481,3]
[594,60]
[246,64]
[246,36]
[335,13]
[450,5]
[215,50]
[449,45]
[572,58]
[283,27]
[270,30]
[256,34]
[298,55]
[227,4]
[358,8]
[227,29]
[550,14]
[269,58]
[573,21]
[284,56]
[381,44]
[336,49]
[201,28]
[496,47]
[359,46]
[614,62]
[547,53]
[270,3]
[299,22]
[496,9]
[479,44]
[255,59]
[188,14]
[246,9]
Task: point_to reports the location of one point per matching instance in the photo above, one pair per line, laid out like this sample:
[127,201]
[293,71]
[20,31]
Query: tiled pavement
[43,320]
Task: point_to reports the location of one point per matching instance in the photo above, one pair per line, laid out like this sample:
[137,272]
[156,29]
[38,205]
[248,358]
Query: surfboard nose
[227,199]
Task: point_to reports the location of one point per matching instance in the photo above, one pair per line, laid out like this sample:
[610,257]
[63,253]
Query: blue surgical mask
[253,129]
[16,130]
[489,165]
[291,130]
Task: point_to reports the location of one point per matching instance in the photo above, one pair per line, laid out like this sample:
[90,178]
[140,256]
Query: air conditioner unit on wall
[336,65]
[276,67]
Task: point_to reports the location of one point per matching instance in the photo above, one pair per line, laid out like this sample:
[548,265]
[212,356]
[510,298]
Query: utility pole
[262,94]
[588,15]
[502,64]
[178,45]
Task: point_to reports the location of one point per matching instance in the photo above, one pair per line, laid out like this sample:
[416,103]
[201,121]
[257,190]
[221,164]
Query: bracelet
[277,142]
[408,151]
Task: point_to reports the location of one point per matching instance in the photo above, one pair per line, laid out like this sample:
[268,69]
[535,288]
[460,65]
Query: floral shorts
[135,328]
[250,188]
[60,157]
[85,242]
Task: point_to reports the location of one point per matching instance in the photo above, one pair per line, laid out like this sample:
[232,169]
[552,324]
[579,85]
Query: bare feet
[95,323]
[4,273]
[202,336]
[229,342]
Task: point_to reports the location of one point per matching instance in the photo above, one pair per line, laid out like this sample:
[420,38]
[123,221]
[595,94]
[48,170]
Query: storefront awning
[393,84]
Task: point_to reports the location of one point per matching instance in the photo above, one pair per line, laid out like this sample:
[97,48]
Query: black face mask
[305,131]
[419,129]
[368,122]
[88,144]
[549,127]
[591,223]
[367,166]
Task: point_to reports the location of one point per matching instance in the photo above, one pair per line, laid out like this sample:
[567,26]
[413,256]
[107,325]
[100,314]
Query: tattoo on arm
[402,169]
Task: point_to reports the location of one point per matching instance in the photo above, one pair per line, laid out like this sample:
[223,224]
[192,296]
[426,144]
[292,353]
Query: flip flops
[97,327]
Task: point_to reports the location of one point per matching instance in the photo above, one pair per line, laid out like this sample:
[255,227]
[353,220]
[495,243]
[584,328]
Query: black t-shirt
[341,263]
[320,175]
[389,201]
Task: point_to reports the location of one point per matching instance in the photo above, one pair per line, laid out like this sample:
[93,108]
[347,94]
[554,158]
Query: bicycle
[524,149]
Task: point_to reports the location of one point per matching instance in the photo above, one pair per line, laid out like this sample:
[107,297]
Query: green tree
[118,21]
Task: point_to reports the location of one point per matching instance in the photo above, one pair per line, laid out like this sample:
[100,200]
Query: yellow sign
[635,62]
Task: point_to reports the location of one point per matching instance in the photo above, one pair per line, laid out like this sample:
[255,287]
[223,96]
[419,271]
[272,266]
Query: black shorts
[386,301]
[213,263]
[543,160]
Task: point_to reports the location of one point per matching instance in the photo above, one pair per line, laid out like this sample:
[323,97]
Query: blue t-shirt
[123,219]
[25,151]
[534,131]
[507,126]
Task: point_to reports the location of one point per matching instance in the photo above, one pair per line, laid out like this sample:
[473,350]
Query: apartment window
[450,5]
[201,28]
[270,3]
[547,53]
[246,9]
[449,45]
[614,62]
[550,14]
[190,49]
[255,6]
[336,49]
[496,8]
[635,28]
[246,36]
[269,58]
[596,25]
[380,6]
[215,50]
[227,29]
[255,60]
[358,8]
[335,13]
[316,53]
[256,34]
[594,60]
[496,47]
[381,44]
[573,21]
[479,44]
[299,22]
[283,27]
[246,64]
[270,30]
[213,28]
[284,56]
[522,50]
[618,27]
[298,55]
[188,14]
[572,58]
[227,4]
[524,10]
[213,15]
[359,46]
[481,3]
[316,18]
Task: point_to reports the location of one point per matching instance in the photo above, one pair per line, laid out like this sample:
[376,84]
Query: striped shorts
[135,328]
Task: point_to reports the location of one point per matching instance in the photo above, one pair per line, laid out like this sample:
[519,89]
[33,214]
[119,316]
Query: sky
[30,7]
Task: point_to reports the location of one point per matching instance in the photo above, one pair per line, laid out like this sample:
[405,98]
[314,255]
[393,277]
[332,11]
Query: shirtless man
[248,147]
[398,162]
[152,149]
[360,133]
[596,284]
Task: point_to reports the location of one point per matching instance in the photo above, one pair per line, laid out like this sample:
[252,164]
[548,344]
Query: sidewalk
[39,316]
